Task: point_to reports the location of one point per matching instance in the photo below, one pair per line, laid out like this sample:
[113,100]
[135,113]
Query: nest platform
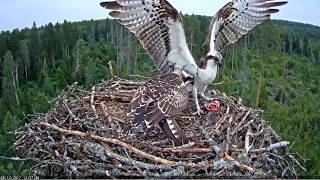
[81,137]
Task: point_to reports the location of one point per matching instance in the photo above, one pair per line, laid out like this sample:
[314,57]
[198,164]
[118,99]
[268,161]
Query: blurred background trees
[276,67]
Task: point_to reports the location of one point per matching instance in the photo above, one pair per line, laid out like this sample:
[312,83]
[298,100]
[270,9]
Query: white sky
[22,13]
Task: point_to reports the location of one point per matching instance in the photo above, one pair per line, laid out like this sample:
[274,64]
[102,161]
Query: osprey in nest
[158,101]
[159,28]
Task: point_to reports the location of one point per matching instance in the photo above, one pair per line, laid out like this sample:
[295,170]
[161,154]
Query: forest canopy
[275,67]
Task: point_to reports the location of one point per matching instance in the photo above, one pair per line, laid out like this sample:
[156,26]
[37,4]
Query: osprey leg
[195,98]
[201,92]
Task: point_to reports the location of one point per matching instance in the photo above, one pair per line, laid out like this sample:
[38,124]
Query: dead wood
[81,136]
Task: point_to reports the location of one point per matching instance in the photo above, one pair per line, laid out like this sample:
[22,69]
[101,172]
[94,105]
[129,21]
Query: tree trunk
[77,60]
[26,72]
[15,89]
[17,76]
[258,90]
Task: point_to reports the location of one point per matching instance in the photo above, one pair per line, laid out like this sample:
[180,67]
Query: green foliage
[25,58]
[275,67]
[8,168]
[9,83]
[9,123]
[14,169]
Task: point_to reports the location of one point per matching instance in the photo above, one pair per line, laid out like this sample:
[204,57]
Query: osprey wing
[173,131]
[236,19]
[158,26]
[162,96]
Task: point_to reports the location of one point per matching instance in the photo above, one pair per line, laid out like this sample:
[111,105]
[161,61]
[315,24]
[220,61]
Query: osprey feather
[161,98]
[159,28]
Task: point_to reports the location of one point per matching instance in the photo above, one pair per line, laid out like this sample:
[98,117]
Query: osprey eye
[209,57]
[216,58]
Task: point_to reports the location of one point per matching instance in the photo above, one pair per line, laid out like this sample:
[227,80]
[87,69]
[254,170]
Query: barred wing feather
[161,97]
[158,26]
[236,19]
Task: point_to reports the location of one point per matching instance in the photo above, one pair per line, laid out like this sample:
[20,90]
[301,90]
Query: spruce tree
[24,55]
[9,84]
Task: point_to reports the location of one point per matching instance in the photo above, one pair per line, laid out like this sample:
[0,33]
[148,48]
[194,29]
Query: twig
[18,158]
[69,110]
[117,119]
[92,101]
[241,122]
[228,142]
[274,134]
[223,119]
[239,165]
[106,113]
[247,125]
[228,109]
[134,164]
[247,141]
[272,146]
[216,84]
[257,133]
[113,141]
[298,163]
[124,145]
[126,82]
[104,110]
[182,150]
[138,76]
[188,117]
[184,146]
[295,139]
[214,146]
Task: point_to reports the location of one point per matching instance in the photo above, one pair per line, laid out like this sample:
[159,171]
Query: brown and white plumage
[158,101]
[236,19]
[173,131]
[159,28]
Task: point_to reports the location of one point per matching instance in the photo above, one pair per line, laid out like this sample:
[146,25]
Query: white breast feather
[179,54]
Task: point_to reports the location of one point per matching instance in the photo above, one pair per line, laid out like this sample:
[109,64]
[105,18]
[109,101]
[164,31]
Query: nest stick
[228,134]
[17,158]
[239,165]
[241,122]
[272,146]
[92,100]
[183,150]
[69,110]
[217,149]
[298,163]
[113,141]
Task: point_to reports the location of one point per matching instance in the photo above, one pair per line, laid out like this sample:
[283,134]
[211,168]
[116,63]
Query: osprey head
[215,58]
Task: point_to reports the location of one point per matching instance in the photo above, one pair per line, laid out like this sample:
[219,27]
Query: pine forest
[276,67]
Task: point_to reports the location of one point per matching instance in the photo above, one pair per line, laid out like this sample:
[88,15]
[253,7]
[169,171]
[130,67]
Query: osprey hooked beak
[217,57]
[218,60]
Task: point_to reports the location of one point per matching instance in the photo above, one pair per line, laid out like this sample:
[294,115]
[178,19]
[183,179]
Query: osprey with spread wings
[159,28]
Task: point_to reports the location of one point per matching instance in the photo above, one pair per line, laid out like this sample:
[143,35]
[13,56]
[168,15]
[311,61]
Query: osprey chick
[158,101]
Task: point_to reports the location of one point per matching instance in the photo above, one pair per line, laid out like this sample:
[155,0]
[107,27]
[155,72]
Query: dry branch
[81,137]
[113,141]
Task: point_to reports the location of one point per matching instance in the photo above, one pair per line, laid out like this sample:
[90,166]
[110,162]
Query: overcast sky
[22,13]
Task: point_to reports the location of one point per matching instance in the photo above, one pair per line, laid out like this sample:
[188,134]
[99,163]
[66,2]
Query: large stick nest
[81,137]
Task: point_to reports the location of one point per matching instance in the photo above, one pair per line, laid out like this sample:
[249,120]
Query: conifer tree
[9,84]
[25,58]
